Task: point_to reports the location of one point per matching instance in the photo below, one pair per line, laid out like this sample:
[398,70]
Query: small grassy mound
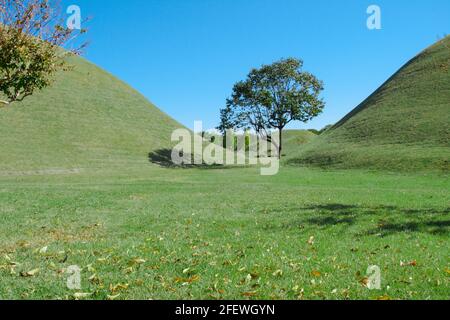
[293,140]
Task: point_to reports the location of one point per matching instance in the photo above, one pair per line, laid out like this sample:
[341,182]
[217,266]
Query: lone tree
[32,34]
[271,97]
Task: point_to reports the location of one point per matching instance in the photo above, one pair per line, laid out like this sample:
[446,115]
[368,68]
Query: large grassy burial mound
[404,125]
[87,119]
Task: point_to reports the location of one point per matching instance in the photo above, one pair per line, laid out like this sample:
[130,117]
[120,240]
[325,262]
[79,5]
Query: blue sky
[186,55]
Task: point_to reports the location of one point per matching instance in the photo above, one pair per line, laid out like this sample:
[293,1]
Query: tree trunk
[280,144]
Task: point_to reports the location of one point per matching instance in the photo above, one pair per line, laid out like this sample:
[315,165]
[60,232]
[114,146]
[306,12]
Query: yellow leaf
[408,264]
[278,273]
[128,270]
[186,270]
[249,294]
[30,273]
[136,261]
[364,281]
[81,295]
[118,287]
[316,273]
[192,279]
[43,250]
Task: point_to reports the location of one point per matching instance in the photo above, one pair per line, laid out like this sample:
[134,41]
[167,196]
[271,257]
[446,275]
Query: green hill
[404,125]
[294,140]
[87,119]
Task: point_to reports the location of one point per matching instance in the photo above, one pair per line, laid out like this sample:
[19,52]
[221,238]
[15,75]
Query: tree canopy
[272,97]
[32,33]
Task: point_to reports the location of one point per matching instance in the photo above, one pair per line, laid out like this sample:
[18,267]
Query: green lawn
[157,233]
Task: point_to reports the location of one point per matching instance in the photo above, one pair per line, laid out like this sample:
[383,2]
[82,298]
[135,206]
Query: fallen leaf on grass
[364,282]
[408,264]
[278,273]
[136,261]
[23,244]
[90,268]
[447,271]
[43,250]
[81,295]
[316,273]
[187,280]
[113,297]
[249,294]
[95,279]
[128,270]
[187,271]
[118,287]
[311,240]
[384,298]
[30,273]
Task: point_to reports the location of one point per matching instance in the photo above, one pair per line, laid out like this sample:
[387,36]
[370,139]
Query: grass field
[152,233]
[80,185]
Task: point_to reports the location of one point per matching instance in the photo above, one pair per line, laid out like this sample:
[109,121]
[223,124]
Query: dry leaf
[187,270]
[249,294]
[81,295]
[43,250]
[128,270]
[136,261]
[408,264]
[364,282]
[311,240]
[118,287]
[316,273]
[192,279]
[278,273]
[30,273]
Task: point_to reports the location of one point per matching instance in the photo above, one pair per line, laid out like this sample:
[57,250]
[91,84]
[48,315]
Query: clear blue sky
[185,55]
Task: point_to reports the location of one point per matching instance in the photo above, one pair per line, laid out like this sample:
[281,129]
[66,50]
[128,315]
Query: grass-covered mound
[88,119]
[294,140]
[404,125]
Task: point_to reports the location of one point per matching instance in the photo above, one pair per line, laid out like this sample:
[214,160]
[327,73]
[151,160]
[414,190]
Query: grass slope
[404,125]
[88,119]
[293,140]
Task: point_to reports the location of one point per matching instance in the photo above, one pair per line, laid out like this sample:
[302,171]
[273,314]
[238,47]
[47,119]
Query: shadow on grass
[163,158]
[385,220]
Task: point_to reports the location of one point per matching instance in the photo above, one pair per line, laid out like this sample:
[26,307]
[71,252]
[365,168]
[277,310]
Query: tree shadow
[163,158]
[391,219]
[418,224]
